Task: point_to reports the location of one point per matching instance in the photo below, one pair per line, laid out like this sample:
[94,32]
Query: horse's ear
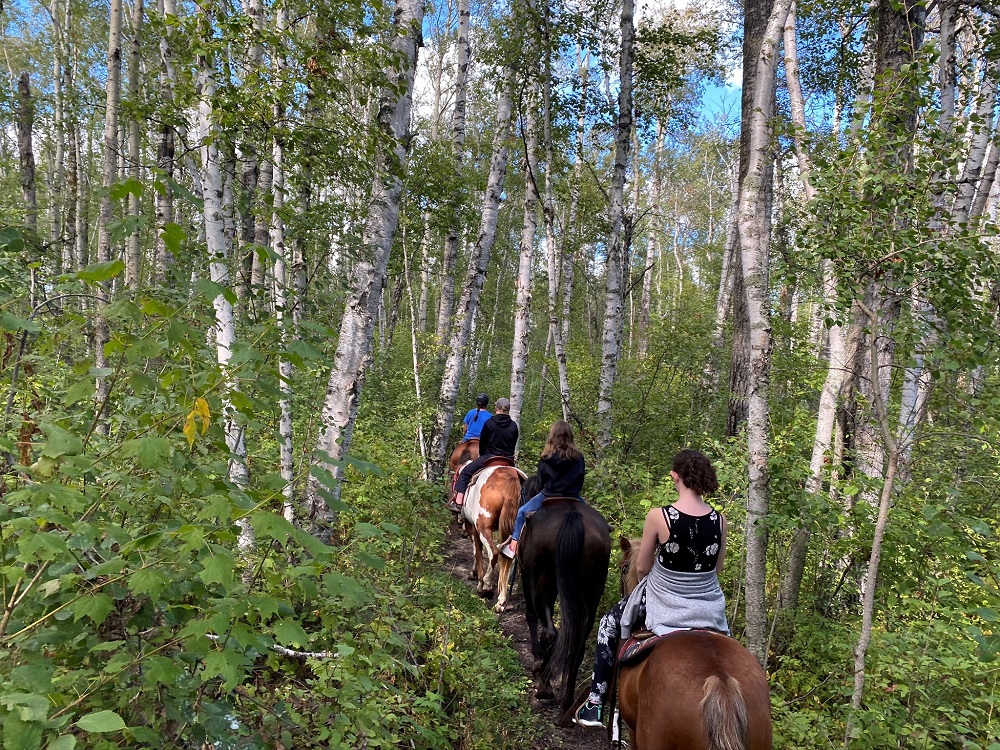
[626,545]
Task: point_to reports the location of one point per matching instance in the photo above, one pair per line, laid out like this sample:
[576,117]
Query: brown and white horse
[491,504]
[697,690]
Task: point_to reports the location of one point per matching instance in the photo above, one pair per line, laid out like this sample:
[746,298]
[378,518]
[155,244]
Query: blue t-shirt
[474,424]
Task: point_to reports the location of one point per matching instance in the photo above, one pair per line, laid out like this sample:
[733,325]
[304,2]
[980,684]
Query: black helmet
[482,399]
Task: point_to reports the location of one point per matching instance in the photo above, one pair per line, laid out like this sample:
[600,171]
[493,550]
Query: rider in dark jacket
[499,438]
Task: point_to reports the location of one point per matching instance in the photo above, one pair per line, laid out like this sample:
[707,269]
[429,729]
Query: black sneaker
[589,715]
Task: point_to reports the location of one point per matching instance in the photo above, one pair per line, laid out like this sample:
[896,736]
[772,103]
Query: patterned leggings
[607,649]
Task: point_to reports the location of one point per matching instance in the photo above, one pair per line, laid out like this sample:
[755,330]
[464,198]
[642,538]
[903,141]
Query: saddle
[642,642]
[496,461]
[638,647]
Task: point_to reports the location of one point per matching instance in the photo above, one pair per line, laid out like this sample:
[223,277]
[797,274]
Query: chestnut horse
[491,504]
[697,689]
[463,453]
[564,552]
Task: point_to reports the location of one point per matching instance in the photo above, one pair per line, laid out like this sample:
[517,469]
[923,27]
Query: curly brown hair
[696,471]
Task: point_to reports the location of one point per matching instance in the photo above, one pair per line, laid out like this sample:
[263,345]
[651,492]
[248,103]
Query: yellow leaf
[201,407]
[190,431]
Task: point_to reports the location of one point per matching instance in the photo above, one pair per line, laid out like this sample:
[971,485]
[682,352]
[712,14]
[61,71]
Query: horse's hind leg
[489,576]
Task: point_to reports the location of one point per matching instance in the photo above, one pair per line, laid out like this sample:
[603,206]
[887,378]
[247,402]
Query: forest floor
[457,561]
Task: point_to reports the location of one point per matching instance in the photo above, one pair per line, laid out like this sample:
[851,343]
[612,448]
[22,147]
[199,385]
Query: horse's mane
[630,556]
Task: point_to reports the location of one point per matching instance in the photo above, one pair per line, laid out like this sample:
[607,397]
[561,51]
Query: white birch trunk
[837,363]
[616,260]
[282,299]
[165,150]
[217,246]
[26,154]
[133,259]
[59,65]
[469,304]
[724,298]
[463,54]
[415,357]
[522,305]
[354,345]
[754,257]
[653,241]
[110,176]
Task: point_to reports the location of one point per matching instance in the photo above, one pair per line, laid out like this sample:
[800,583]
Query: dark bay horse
[564,553]
[491,504]
[697,690]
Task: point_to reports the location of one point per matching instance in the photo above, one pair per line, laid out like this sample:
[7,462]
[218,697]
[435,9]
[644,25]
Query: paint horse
[696,690]
[564,553]
[491,504]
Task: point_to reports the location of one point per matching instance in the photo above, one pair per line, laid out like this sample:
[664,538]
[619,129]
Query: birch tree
[26,153]
[354,344]
[463,57]
[529,226]
[468,306]
[754,261]
[109,174]
[133,257]
[616,264]
[164,204]
[217,247]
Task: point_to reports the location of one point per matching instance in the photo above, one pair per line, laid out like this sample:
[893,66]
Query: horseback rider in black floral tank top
[682,550]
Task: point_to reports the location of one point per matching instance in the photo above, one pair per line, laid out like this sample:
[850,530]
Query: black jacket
[561,476]
[499,437]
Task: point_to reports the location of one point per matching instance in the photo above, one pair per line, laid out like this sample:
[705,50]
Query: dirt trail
[458,558]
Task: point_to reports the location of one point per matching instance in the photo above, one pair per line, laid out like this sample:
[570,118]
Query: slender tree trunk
[469,304]
[165,149]
[361,310]
[463,53]
[415,356]
[652,242]
[59,68]
[562,305]
[837,367]
[756,18]
[522,305]
[754,256]
[110,176]
[25,129]
[283,302]
[726,294]
[868,601]
[133,258]
[616,265]
[217,246]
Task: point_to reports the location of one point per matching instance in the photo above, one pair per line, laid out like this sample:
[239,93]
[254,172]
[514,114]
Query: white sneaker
[509,551]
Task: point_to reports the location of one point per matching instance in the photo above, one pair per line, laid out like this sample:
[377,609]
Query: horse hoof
[472,576]
[545,694]
[499,608]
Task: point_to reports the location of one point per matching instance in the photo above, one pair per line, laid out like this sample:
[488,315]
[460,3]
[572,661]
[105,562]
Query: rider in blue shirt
[476,418]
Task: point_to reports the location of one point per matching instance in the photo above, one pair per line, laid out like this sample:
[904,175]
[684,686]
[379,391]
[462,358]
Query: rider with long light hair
[561,470]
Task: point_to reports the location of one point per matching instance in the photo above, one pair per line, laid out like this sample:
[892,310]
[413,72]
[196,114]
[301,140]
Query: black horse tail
[572,601]
[725,714]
